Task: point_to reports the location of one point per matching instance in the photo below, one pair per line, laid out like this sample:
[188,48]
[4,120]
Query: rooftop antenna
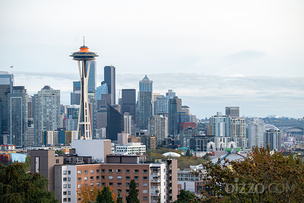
[84,41]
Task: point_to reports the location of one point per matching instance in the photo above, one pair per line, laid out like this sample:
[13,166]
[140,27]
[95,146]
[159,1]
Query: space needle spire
[84,58]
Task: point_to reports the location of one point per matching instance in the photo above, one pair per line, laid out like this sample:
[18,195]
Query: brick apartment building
[66,174]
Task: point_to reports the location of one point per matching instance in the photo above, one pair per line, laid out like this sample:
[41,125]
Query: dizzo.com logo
[258,188]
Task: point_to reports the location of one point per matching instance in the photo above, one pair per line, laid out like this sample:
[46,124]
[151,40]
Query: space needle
[84,58]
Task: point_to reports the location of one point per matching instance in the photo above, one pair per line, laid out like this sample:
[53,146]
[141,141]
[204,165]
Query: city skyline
[241,53]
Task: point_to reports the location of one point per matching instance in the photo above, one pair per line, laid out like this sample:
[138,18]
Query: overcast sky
[211,53]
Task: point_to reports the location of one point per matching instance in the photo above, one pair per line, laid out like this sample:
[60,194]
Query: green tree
[188,153]
[18,186]
[105,196]
[133,195]
[57,151]
[262,176]
[185,196]
[119,198]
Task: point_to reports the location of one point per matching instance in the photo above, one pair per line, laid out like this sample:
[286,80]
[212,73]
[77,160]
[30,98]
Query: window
[79,199]
[64,172]
[79,179]
[79,186]
[127,170]
[97,177]
[69,199]
[92,184]
[145,197]
[119,184]
[64,199]
[69,178]
[110,184]
[85,178]
[145,171]
[145,177]
[79,172]
[110,177]
[145,184]
[110,170]
[97,171]
[145,191]
[102,177]
[69,172]
[57,161]
[137,184]
[91,171]
[118,170]
[119,177]
[127,191]
[127,184]
[69,185]
[69,192]
[136,171]
[64,185]
[64,179]
[97,184]
[92,178]
[119,191]
[103,184]
[103,170]
[136,178]
[64,193]
[127,177]
[85,172]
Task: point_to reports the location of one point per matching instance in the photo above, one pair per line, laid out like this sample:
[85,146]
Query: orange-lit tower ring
[84,57]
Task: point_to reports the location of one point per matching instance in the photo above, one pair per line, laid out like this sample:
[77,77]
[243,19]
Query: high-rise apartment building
[75,95]
[145,102]
[109,79]
[219,128]
[127,123]
[256,130]
[46,110]
[238,131]
[273,138]
[18,117]
[158,128]
[175,105]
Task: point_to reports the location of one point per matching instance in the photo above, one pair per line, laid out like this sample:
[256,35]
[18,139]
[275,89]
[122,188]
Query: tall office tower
[6,87]
[160,105]
[232,111]
[75,95]
[238,131]
[145,102]
[186,110]
[256,130]
[102,89]
[29,107]
[92,77]
[18,117]
[46,110]
[127,123]
[169,95]
[128,102]
[109,79]
[175,105]
[219,128]
[84,57]
[115,123]
[273,138]
[158,127]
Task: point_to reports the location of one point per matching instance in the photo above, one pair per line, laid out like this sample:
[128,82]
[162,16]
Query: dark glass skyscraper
[175,105]
[128,103]
[145,102]
[109,79]
[114,123]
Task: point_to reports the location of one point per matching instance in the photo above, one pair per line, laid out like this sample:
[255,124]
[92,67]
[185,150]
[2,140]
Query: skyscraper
[18,116]
[175,105]
[115,123]
[128,103]
[232,111]
[273,138]
[46,109]
[158,127]
[6,87]
[75,95]
[219,128]
[145,102]
[84,58]
[109,79]
[238,131]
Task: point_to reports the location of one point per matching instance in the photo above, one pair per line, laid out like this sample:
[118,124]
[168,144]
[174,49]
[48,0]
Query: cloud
[245,55]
